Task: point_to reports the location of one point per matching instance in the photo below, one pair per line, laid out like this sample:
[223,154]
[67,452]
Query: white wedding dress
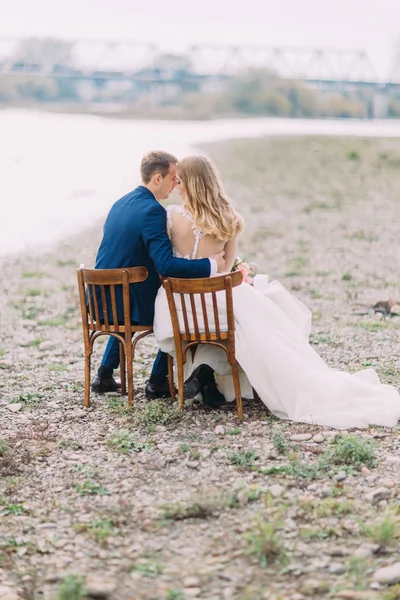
[272,348]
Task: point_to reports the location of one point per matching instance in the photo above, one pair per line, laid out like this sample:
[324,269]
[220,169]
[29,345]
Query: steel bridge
[148,64]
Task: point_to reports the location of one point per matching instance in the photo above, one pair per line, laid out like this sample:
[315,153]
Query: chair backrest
[199,309]
[105,297]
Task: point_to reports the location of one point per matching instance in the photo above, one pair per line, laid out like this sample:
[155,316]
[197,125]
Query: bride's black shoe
[195,383]
[212,397]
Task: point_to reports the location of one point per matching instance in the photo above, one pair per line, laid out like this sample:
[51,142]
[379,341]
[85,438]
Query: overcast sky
[372,25]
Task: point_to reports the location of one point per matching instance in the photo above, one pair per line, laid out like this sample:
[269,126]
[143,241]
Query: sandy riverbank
[148,505]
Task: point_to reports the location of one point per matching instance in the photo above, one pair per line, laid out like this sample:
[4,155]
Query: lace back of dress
[197,234]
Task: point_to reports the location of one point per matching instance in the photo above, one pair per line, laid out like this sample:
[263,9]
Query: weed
[33,292]
[148,568]
[4,446]
[70,445]
[157,412]
[358,570]
[175,594]
[72,588]
[99,529]
[12,509]
[202,505]
[31,274]
[234,431]
[91,488]
[393,593]
[384,532]
[353,451]
[54,322]
[265,543]
[279,441]
[243,459]
[2,352]
[347,277]
[57,367]
[123,441]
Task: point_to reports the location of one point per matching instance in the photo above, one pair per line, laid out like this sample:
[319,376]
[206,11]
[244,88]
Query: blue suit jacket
[135,234]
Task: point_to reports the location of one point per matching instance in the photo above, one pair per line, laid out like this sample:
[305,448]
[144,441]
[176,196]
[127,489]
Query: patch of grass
[358,570]
[354,451]
[66,263]
[320,338]
[243,459]
[347,277]
[393,593]
[384,532]
[374,326]
[4,446]
[175,594]
[234,431]
[157,412]
[12,509]
[28,398]
[70,445]
[33,343]
[202,505]
[32,312]
[148,567]
[32,274]
[265,543]
[2,352]
[33,292]
[91,488]
[57,367]
[279,441]
[54,322]
[116,405]
[124,441]
[99,529]
[72,588]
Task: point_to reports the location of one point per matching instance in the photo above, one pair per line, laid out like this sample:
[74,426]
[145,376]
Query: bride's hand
[220,259]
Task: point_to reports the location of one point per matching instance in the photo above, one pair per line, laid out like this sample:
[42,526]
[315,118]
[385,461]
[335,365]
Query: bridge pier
[379,105]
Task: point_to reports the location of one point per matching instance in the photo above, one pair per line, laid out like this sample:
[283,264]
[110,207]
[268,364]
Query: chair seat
[118,328]
[203,337]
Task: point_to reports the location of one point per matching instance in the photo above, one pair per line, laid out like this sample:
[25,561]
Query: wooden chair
[98,293]
[209,324]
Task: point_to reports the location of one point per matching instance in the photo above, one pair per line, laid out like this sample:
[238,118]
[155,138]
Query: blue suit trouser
[110,359]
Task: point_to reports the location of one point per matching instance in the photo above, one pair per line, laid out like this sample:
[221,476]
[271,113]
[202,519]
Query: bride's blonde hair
[206,200]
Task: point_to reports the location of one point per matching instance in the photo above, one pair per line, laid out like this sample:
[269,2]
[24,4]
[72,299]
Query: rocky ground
[121,504]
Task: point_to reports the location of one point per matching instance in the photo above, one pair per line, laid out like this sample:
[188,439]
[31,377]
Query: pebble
[318,438]
[377,494]
[341,476]
[388,575]
[300,437]
[191,582]
[96,587]
[14,407]
[276,490]
[337,569]
[47,345]
[219,430]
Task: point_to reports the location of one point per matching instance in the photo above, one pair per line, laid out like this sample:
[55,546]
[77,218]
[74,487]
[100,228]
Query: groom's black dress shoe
[102,386]
[157,390]
[195,383]
[212,397]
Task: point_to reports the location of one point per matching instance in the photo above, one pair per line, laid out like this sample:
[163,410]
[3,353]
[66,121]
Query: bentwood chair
[106,310]
[202,313]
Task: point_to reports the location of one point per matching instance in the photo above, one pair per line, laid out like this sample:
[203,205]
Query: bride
[272,327]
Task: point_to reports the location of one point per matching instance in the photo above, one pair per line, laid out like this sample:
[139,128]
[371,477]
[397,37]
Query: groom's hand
[220,260]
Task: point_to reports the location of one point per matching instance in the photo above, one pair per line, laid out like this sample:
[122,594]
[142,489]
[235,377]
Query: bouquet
[247,268]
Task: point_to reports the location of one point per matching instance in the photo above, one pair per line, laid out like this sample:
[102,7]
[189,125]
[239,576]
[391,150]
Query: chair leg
[179,368]
[129,370]
[171,376]
[122,366]
[236,385]
[86,400]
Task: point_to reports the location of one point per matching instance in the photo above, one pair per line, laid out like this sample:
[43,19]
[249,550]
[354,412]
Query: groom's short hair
[156,161]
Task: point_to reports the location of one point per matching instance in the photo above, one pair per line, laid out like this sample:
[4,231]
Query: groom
[135,234]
